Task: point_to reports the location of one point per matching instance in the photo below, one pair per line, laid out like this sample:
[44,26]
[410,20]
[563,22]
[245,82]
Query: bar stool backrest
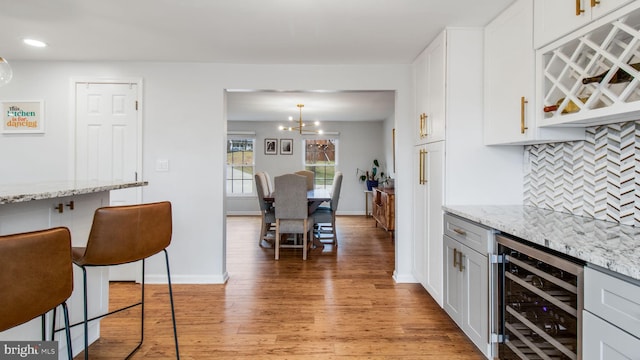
[123,234]
[36,274]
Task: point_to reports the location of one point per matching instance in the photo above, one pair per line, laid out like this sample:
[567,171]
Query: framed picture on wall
[22,117]
[271,146]
[286,146]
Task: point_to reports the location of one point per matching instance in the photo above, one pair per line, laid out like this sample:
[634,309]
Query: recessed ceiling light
[36,43]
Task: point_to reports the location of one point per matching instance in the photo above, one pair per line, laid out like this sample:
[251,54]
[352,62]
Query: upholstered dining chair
[121,235]
[36,276]
[267,212]
[310,177]
[269,189]
[327,214]
[292,211]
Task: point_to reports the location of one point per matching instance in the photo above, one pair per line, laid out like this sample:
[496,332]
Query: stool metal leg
[67,331]
[86,314]
[173,313]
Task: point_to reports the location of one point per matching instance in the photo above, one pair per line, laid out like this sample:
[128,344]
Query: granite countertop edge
[16,193]
[603,243]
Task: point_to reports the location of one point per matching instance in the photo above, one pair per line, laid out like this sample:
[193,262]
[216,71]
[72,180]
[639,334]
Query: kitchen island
[606,244]
[29,207]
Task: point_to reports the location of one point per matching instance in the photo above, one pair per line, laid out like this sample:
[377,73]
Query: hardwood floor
[339,304]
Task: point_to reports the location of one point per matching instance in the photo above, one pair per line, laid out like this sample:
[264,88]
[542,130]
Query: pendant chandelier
[302,127]
[5,72]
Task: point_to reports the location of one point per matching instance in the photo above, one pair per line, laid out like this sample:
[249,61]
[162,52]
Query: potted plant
[370,176]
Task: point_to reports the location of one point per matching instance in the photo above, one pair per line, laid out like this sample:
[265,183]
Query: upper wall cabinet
[557,18]
[429,77]
[509,82]
[592,77]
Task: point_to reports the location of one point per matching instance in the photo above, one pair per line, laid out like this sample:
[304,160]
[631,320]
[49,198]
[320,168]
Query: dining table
[315,197]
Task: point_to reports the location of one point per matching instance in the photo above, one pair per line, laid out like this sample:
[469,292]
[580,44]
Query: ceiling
[242,32]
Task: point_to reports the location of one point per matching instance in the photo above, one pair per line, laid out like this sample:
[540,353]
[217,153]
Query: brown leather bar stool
[36,276]
[121,235]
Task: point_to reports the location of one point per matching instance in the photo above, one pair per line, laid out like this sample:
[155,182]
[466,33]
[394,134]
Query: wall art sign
[22,117]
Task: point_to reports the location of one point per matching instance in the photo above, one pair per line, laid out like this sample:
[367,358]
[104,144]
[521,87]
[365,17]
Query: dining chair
[327,214]
[121,235]
[310,175]
[269,189]
[292,212]
[267,212]
[36,276]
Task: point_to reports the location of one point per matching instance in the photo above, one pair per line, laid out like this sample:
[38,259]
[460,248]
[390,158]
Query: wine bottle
[570,108]
[619,77]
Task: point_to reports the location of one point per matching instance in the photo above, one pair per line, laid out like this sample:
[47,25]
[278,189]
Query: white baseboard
[188,279]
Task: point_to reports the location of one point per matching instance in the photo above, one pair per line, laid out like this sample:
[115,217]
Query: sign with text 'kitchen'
[22,117]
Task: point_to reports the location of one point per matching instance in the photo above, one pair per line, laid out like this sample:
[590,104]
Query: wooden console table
[383,204]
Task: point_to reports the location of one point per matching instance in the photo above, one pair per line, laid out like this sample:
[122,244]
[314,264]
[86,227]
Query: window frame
[328,180]
[229,167]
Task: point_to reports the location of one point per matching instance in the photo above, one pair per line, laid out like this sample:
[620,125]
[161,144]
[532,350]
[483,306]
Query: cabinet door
[419,215]
[509,81]
[434,172]
[420,78]
[556,18]
[603,341]
[452,292]
[475,301]
[509,75]
[436,75]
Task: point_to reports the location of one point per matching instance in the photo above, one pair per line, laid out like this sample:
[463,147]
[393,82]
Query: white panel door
[108,138]
[106,132]
[434,167]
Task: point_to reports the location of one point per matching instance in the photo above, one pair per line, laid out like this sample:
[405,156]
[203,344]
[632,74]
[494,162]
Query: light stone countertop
[607,244]
[15,193]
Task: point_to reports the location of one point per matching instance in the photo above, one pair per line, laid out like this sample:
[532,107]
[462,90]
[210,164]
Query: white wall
[358,144]
[184,121]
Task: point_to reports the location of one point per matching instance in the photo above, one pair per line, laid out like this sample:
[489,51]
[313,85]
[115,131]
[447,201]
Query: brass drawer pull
[460,232]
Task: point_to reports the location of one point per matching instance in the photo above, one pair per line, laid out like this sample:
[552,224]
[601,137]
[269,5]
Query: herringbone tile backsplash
[598,177]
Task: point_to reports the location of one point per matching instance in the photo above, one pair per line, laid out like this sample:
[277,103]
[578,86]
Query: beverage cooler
[538,303]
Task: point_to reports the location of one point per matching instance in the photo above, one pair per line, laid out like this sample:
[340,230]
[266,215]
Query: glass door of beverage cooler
[540,303]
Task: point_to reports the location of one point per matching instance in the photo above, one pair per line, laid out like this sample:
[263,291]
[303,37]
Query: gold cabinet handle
[579,10]
[594,3]
[523,128]
[425,125]
[423,165]
[460,232]
[455,258]
[460,263]
[60,208]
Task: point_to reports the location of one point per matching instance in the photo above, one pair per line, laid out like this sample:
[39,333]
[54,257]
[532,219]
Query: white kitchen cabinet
[610,323]
[429,77]
[557,18]
[428,201]
[466,279]
[603,341]
[457,170]
[602,47]
[509,83]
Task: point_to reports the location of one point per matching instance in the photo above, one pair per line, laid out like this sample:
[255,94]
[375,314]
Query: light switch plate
[162,165]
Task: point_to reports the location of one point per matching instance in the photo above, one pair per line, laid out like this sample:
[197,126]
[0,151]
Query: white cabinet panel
[613,299]
[509,82]
[452,281]
[603,341]
[557,18]
[429,75]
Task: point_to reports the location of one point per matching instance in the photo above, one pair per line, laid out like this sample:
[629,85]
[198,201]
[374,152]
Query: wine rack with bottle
[541,304]
[594,78]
